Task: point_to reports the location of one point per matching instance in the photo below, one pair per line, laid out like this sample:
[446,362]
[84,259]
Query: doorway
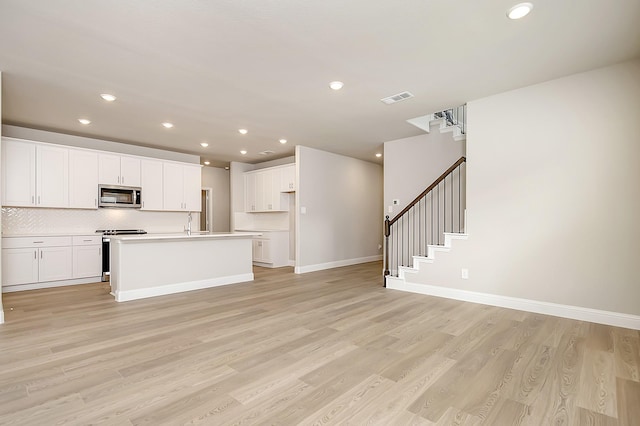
[206,215]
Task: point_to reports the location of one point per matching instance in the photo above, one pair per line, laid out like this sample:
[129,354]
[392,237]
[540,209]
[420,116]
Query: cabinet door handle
[118,179]
[100,251]
[40,255]
[87,241]
[38,242]
[123,180]
[33,199]
[38,199]
[35,254]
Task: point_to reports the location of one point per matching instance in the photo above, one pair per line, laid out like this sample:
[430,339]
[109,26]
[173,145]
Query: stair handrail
[388,223]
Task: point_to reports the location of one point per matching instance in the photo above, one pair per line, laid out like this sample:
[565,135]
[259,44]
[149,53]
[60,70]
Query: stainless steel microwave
[119,196]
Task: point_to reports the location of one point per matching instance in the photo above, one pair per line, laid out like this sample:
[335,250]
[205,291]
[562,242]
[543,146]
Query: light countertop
[196,235]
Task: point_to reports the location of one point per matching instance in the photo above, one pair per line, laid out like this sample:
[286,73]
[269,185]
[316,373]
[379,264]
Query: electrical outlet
[379,246]
[390,209]
[464,274]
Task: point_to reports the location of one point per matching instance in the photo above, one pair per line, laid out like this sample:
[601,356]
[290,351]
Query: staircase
[436,217]
[428,225]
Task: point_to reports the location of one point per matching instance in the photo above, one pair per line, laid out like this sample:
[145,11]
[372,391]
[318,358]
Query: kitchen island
[158,264]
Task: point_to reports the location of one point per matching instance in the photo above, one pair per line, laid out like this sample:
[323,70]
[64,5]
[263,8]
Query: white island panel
[154,265]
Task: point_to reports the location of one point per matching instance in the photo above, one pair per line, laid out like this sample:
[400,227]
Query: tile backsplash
[17,221]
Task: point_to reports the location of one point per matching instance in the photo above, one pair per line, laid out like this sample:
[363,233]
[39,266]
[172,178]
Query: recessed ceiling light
[167,124]
[84,121]
[283,141]
[336,85]
[204,144]
[519,10]
[243,152]
[226,167]
[206,163]
[107,97]
[243,131]
[378,155]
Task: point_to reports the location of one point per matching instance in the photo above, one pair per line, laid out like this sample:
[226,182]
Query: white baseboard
[124,296]
[565,311]
[336,264]
[49,284]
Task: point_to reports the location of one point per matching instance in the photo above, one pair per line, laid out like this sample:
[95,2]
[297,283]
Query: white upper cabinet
[249,192]
[52,176]
[182,187]
[34,175]
[83,179]
[129,171]
[288,178]
[151,182]
[192,188]
[263,191]
[117,169]
[18,173]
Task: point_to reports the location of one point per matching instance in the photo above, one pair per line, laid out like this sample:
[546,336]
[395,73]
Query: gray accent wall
[343,201]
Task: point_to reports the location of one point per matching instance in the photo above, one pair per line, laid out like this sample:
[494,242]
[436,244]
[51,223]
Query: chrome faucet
[187,229]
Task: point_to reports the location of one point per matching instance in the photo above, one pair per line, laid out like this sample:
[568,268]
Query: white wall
[553,194]
[218,180]
[343,201]
[412,164]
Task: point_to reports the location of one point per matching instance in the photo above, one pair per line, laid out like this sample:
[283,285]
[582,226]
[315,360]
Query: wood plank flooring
[329,347]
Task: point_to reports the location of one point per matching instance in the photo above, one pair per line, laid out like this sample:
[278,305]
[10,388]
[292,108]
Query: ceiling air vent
[267,152]
[396,98]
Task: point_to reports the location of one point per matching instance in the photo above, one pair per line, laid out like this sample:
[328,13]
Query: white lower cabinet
[19,266]
[55,264]
[87,256]
[31,260]
[271,249]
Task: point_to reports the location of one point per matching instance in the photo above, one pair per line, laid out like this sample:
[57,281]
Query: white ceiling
[212,67]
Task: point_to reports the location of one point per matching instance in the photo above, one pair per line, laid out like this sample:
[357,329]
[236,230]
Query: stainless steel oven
[106,246]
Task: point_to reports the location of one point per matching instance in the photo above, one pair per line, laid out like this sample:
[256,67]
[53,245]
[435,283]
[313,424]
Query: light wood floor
[331,347]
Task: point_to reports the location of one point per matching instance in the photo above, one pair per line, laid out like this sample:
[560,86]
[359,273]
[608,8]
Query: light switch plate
[303,210]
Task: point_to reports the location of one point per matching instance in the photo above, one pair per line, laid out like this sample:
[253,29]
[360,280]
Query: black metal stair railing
[437,210]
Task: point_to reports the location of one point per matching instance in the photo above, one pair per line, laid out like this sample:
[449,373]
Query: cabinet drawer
[28,242]
[87,240]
